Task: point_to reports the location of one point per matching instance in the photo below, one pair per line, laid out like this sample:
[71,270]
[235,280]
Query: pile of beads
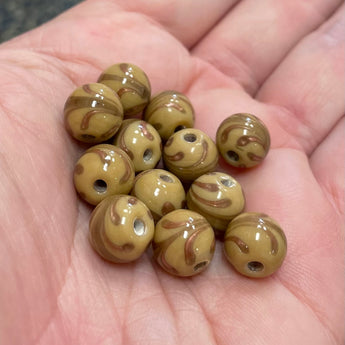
[180,210]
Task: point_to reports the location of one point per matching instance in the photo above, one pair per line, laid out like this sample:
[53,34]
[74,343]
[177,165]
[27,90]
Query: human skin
[281,60]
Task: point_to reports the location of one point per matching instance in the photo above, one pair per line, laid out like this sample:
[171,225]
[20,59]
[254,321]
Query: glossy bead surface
[93,113]
[183,243]
[103,170]
[141,142]
[255,244]
[168,112]
[131,84]
[243,140]
[120,229]
[160,190]
[218,197]
[190,153]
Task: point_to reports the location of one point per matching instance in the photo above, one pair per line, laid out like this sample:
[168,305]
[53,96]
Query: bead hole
[147,155]
[233,156]
[100,186]
[227,183]
[255,266]
[200,266]
[166,178]
[139,227]
[178,128]
[190,137]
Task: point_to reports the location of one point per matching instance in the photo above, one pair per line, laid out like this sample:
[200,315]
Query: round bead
[141,142]
[255,244]
[218,197]
[183,243]
[131,84]
[161,191]
[120,229]
[93,113]
[103,170]
[169,112]
[190,153]
[243,140]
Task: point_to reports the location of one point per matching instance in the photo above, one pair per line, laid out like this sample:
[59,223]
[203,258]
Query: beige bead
[131,84]
[160,190]
[183,243]
[120,229]
[255,244]
[103,170]
[218,197]
[190,153]
[169,112]
[141,142]
[93,113]
[243,140]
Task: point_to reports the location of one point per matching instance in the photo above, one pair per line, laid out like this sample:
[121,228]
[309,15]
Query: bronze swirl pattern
[244,248]
[219,203]
[190,153]
[167,207]
[169,111]
[267,225]
[160,190]
[106,158]
[128,174]
[114,215]
[182,234]
[169,100]
[135,86]
[131,84]
[243,140]
[103,170]
[143,128]
[122,144]
[175,157]
[141,142]
[112,230]
[101,242]
[189,254]
[93,101]
[79,169]
[209,187]
[102,153]
[218,197]
[255,244]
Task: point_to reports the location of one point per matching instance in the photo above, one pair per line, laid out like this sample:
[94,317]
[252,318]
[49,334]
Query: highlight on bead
[243,140]
[160,190]
[218,197]
[190,153]
[255,244]
[103,170]
[141,142]
[93,113]
[120,228]
[183,243]
[177,186]
[169,112]
[132,85]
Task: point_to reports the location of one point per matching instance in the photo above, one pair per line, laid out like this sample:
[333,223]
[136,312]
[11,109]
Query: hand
[281,60]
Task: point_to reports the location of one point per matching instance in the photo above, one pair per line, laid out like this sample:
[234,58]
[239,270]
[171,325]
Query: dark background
[18,16]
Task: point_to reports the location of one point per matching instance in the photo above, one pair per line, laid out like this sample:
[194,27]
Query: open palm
[281,60]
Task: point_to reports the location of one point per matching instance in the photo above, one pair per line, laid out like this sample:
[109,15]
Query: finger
[327,163]
[285,188]
[88,38]
[250,42]
[187,20]
[310,84]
